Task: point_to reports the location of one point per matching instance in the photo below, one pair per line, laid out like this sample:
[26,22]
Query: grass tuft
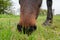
[8,29]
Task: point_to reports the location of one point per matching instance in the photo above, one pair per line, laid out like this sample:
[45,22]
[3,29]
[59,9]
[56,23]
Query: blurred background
[13,7]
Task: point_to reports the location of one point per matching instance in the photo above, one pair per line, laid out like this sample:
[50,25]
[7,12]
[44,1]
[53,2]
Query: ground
[8,29]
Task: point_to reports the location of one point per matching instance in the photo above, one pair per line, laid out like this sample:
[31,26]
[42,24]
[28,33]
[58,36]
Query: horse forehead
[30,1]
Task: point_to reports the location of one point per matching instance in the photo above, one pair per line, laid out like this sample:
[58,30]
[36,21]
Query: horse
[29,13]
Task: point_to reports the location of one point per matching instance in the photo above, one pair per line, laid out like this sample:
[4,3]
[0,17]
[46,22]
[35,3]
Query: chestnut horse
[29,13]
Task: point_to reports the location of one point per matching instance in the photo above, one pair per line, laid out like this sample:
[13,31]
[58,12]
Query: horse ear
[19,1]
[39,3]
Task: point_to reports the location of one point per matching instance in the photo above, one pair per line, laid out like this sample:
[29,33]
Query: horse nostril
[32,28]
[35,27]
[19,27]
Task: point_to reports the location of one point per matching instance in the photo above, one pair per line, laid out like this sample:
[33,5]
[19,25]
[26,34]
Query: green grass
[8,29]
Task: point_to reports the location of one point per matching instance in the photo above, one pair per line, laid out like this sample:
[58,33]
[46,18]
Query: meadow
[8,29]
